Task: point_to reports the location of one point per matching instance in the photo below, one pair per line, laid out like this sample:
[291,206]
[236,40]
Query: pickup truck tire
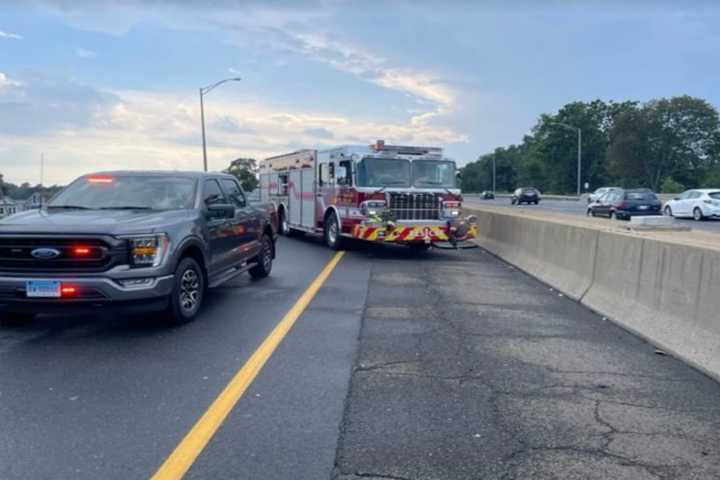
[333,238]
[188,293]
[264,259]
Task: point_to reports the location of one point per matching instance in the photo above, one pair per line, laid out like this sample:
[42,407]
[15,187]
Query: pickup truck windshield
[432,173]
[383,172]
[128,192]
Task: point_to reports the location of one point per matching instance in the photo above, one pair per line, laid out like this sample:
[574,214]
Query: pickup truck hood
[107,222]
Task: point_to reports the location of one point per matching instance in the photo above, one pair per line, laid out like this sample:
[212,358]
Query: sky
[98,85]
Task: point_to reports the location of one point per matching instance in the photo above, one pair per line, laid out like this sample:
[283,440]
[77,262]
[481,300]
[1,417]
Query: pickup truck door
[218,234]
[246,224]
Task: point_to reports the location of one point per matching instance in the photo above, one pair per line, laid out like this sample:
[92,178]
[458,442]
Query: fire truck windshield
[433,173]
[383,172]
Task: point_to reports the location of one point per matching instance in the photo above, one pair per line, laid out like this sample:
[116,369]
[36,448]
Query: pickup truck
[135,242]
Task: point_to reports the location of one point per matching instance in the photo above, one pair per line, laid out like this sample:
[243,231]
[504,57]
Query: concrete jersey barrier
[664,292]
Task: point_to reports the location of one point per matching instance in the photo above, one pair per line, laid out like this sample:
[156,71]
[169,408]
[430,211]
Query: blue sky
[99,84]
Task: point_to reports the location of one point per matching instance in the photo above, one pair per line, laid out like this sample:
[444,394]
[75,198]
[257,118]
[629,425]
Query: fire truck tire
[333,239]
[284,228]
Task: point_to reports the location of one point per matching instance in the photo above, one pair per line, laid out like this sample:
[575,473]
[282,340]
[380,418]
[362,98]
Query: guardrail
[663,291]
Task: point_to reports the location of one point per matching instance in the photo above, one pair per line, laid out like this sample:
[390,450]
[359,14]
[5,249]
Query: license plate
[42,288]
[643,207]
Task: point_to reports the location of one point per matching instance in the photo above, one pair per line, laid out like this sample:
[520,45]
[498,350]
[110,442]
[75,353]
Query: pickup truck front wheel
[264,259]
[188,293]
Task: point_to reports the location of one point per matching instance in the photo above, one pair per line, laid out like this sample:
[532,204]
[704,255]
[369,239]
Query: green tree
[677,137]
[245,170]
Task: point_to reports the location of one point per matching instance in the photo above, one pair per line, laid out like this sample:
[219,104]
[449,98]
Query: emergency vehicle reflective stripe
[404,234]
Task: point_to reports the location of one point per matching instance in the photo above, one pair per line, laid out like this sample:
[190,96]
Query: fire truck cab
[380,193]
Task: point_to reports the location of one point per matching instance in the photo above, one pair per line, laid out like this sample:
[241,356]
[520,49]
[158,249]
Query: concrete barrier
[665,292]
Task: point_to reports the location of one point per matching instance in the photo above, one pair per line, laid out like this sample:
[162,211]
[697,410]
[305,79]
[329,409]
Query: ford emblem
[45,253]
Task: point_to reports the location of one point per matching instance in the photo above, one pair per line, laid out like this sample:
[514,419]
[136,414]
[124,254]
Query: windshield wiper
[74,207]
[126,207]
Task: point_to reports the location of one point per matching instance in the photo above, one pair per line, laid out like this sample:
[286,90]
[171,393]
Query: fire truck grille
[415,206]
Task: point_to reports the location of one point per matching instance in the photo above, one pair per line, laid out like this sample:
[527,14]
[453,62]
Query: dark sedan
[623,204]
[526,195]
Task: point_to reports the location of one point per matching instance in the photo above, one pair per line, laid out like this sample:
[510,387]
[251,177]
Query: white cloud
[85,53]
[11,36]
[136,129]
[7,83]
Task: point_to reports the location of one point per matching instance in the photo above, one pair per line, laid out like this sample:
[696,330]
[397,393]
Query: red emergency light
[100,180]
[80,251]
[68,291]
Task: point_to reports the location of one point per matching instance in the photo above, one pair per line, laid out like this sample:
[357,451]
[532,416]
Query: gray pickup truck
[134,242]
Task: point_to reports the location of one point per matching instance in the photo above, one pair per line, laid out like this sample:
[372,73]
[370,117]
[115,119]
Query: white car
[698,204]
[597,194]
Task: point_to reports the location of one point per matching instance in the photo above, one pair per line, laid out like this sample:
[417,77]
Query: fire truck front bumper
[452,234]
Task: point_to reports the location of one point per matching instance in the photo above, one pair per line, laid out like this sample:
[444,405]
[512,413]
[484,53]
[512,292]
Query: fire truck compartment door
[308,197]
[302,198]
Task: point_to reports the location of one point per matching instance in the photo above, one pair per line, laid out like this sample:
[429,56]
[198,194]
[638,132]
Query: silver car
[597,194]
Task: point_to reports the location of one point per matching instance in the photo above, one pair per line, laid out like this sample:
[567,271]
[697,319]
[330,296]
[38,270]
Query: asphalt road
[450,365]
[580,208]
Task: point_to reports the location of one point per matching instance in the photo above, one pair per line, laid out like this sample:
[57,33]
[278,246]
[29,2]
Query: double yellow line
[184,455]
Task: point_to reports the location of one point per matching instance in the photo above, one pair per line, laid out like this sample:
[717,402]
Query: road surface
[449,365]
[580,208]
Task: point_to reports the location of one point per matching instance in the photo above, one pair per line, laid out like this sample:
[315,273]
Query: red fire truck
[380,193]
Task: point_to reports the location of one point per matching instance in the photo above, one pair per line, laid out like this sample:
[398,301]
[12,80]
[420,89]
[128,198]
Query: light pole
[204,91]
[579,152]
[494,174]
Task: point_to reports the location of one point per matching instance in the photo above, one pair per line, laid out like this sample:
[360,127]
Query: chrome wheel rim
[332,231]
[189,290]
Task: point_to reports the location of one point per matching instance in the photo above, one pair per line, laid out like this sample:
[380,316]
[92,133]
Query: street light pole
[204,91]
[494,174]
[579,162]
[579,153]
[202,122]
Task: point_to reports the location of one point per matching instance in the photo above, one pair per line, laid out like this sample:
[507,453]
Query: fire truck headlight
[372,208]
[451,209]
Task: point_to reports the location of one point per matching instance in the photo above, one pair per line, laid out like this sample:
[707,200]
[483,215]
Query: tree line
[25,190]
[667,145]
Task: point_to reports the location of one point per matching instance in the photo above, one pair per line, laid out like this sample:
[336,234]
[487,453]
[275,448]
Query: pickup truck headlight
[148,250]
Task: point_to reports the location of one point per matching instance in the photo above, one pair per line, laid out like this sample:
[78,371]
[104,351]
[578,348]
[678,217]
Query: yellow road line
[184,455]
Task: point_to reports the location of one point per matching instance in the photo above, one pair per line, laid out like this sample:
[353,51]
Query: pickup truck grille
[95,254]
[415,206]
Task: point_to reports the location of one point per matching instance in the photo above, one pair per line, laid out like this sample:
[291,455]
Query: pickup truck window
[233,191]
[212,193]
[128,192]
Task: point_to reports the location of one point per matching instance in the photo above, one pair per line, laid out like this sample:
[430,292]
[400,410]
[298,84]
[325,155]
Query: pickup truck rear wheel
[264,259]
[188,293]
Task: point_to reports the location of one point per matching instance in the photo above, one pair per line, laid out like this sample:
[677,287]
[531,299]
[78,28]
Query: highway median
[659,285]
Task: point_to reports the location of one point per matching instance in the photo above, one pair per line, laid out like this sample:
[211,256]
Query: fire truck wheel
[284,227]
[332,232]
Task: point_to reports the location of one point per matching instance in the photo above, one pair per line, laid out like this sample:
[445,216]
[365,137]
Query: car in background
[487,195]
[697,204]
[597,194]
[526,195]
[624,204]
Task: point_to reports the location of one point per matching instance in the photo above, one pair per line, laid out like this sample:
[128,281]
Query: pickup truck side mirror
[220,210]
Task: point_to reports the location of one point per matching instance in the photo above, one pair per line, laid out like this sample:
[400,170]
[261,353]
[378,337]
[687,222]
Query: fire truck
[379,193]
